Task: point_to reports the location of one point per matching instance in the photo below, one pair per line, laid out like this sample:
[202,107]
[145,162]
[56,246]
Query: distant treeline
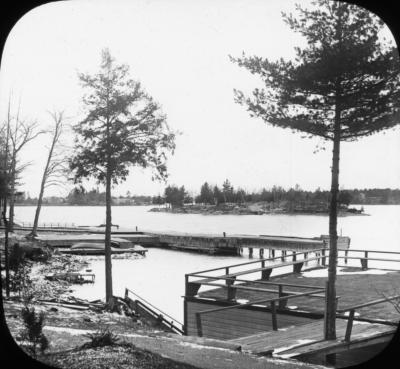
[215,195]
[227,193]
[80,196]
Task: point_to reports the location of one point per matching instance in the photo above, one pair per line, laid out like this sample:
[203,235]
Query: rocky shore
[86,335]
[252,209]
[69,320]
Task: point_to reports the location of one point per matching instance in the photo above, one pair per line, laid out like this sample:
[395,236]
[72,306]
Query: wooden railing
[315,292]
[193,281]
[366,257]
[352,310]
[155,312]
[229,276]
[47,225]
[266,266]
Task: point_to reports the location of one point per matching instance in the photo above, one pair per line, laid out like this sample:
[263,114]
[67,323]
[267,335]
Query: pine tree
[342,86]
[123,127]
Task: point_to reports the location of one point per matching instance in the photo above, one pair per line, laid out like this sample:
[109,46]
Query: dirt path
[67,329]
[181,349]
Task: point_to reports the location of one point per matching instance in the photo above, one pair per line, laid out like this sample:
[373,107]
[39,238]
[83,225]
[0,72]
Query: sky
[179,50]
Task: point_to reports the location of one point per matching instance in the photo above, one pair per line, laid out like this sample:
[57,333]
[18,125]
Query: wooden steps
[308,338]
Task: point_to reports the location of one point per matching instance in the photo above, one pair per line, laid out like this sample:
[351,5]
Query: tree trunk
[38,208]
[46,173]
[330,308]
[109,290]
[6,248]
[12,197]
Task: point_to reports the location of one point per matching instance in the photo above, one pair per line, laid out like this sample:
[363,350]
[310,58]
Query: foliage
[344,72]
[20,269]
[33,331]
[123,126]
[206,195]
[345,84]
[16,257]
[175,196]
[100,338]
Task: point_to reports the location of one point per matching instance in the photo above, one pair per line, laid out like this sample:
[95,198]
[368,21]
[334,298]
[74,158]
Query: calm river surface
[159,277]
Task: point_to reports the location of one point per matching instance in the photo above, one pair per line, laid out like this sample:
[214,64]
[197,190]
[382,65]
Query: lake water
[159,277]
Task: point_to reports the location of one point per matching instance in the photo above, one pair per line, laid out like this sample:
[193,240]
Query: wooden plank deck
[308,339]
[66,240]
[353,288]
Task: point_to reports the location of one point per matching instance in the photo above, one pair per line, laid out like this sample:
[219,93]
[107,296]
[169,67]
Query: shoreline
[245,211]
[141,344]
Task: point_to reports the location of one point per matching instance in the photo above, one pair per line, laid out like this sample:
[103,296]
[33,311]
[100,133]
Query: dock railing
[315,292]
[225,277]
[351,310]
[265,266]
[366,257]
[156,313]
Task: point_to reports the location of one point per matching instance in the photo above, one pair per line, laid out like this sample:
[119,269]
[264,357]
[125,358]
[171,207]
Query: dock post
[273,253]
[231,291]
[198,325]
[364,261]
[345,256]
[349,327]
[261,252]
[250,252]
[281,303]
[283,255]
[305,258]
[273,314]
[323,262]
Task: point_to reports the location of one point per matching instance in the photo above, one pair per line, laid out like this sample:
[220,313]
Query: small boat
[91,248]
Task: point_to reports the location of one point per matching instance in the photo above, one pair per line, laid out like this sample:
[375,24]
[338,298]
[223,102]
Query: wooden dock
[283,314]
[67,240]
[306,339]
[235,243]
[213,244]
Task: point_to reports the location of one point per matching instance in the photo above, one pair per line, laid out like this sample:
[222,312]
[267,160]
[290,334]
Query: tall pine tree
[342,86]
[123,127]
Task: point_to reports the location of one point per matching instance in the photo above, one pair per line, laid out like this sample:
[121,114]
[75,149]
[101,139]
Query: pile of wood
[117,305]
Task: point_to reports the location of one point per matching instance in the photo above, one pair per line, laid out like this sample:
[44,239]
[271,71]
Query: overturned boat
[91,248]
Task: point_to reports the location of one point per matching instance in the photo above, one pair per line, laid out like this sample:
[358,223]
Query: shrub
[16,258]
[33,331]
[100,338]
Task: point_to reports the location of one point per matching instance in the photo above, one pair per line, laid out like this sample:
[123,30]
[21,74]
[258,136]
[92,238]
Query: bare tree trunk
[108,266]
[48,170]
[12,195]
[6,248]
[38,208]
[330,308]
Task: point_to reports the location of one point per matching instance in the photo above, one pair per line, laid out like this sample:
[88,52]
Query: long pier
[213,244]
[235,243]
